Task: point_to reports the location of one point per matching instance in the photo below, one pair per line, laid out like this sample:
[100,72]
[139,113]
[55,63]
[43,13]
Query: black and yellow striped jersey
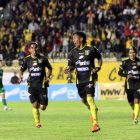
[83,61]
[131,67]
[36,67]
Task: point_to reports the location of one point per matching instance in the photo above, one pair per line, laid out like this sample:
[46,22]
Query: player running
[130,69]
[2,92]
[82,58]
[37,81]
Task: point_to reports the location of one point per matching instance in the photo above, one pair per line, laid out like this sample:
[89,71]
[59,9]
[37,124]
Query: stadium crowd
[110,25]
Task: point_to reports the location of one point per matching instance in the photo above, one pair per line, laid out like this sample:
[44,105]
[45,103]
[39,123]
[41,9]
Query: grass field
[68,120]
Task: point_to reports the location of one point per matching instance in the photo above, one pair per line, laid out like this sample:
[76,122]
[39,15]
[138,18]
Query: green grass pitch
[68,120]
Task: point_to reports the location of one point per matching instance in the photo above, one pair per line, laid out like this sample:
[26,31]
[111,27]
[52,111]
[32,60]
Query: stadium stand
[111,25]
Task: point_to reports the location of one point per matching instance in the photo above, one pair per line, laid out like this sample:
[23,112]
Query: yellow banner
[112,91]
[108,73]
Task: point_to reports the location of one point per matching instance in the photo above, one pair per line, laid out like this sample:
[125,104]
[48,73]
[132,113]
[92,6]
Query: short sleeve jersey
[83,61]
[36,67]
[131,67]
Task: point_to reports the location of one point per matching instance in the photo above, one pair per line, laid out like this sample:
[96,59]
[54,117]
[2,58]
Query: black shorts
[38,94]
[86,88]
[132,94]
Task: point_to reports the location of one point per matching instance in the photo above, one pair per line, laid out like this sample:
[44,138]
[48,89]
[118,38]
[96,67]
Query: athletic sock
[4,102]
[136,110]
[36,115]
[93,109]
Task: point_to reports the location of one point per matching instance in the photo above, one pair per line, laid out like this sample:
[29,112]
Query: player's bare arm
[20,76]
[67,70]
[48,75]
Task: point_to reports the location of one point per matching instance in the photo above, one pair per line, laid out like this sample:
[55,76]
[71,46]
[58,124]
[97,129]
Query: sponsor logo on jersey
[83,63]
[81,57]
[39,60]
[134,67]
[83,69]
[86,52]
[35,74]
[138,63]
[35,69]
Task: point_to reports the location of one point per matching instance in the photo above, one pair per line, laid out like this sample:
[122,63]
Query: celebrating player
[130,69]
[2,92]
[82,58]
[37,81]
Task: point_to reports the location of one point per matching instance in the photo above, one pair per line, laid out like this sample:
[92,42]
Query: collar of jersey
[34,57]
[83,47]
[133,60]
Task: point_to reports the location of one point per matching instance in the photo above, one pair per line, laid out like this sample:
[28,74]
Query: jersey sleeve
[122,68]
[47,63]
[70,60]
[24,65]
[96,53]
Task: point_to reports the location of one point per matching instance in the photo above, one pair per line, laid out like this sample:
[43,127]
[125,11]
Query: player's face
[132,54]
[33,50]
[77,40]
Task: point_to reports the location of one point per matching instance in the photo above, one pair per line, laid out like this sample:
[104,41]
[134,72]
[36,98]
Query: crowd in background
[111,25]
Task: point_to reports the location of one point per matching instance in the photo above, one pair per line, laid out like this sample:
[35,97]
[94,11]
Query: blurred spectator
[65,43]
[106,20]
[136,42]
[27,35]
[118,50]
[14,79]
[82,21]
[128,44]
[56,46]
[108,48]
[102,48]
[71,44]
[9,56]
[90,20]
[34,27]
[2,52]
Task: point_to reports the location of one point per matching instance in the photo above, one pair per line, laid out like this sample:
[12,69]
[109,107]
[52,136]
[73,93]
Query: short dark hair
[133,48]
[33,43]
[83,35]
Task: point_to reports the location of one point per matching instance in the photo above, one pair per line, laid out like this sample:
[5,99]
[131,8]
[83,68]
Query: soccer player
[82,58]
[37,81]
[2,92]
[130,68]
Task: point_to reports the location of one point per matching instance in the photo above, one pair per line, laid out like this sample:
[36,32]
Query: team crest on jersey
[138,63]
[86,52]
[39,60]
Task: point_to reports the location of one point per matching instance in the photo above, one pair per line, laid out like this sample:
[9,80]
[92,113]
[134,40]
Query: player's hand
[20,79]
[67,70]
[129,76]
[47,79]
[96,69]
